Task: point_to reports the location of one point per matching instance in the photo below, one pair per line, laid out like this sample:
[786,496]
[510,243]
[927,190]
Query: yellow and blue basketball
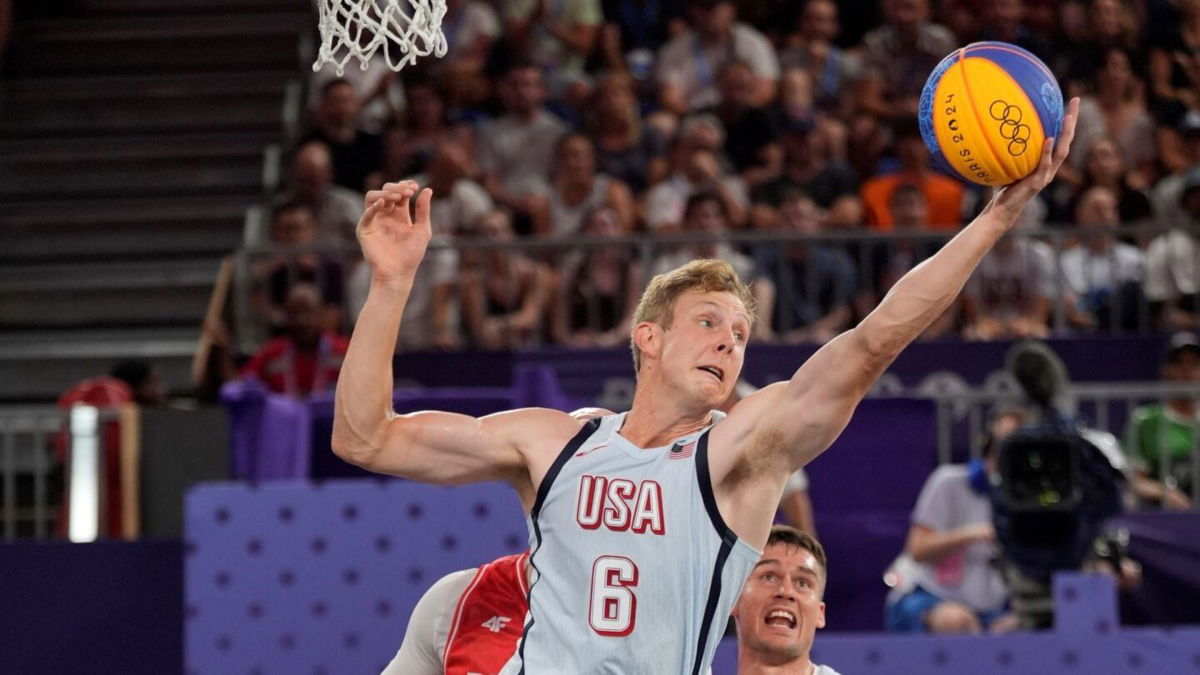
[987,109]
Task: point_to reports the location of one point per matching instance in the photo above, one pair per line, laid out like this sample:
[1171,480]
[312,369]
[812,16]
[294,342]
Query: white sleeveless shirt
[634,570]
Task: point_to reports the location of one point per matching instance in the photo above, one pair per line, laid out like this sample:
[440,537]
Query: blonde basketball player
[643,525]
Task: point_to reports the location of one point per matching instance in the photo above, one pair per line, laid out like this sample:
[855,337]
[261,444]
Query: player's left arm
[803,416]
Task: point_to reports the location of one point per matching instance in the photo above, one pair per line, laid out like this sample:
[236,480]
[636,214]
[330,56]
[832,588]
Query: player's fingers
[368,216]
[423,202]
[1068,130]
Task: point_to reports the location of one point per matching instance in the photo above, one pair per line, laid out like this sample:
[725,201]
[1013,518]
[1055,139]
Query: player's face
[706,344]
[780,607]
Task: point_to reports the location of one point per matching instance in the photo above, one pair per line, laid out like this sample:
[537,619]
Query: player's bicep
[817,403]
[449,448]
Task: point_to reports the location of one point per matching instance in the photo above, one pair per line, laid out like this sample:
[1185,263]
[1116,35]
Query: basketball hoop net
[403,29]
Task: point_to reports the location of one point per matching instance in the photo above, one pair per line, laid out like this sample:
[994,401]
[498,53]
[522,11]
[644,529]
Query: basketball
[986,110]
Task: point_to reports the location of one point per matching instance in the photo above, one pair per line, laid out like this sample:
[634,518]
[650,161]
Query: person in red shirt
[304,359]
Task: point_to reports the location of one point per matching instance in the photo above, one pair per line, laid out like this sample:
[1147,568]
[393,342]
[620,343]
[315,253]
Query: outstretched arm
[806,414]
[433,447]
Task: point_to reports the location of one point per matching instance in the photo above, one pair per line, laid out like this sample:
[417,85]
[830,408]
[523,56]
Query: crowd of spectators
[707,123]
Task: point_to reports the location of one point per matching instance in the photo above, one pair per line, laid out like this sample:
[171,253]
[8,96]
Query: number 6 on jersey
[612,610]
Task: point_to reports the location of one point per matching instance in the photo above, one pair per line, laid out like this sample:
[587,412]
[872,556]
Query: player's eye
[707,323]
[739,336]
[770,576]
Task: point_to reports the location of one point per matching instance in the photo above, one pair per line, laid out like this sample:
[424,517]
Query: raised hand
[1010,200]
[393,240]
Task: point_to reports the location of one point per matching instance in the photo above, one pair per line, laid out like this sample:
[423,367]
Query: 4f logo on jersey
[496,623]
[620,504]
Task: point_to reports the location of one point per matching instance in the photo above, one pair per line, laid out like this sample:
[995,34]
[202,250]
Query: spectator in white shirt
[1101,276]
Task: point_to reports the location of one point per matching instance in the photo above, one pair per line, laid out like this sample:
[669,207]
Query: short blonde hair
[707,275]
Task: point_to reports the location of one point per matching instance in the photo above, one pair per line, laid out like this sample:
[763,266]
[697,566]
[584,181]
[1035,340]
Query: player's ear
[648,337]
[821,616]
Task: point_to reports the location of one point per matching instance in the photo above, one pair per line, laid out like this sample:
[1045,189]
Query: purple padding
[859,547]
[1167,544]
[298,578]
[880,461]
[267,433]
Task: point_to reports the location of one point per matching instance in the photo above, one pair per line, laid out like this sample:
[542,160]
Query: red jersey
[489,618]
[296,372]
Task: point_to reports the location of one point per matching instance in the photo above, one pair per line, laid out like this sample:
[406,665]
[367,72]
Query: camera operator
[1056,483]
[950,584]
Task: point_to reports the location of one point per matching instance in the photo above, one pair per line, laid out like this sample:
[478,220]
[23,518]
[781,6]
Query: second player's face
[706,344]
[780,608]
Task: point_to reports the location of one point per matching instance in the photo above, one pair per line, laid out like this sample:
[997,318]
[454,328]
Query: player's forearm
[922,295]
[363,402]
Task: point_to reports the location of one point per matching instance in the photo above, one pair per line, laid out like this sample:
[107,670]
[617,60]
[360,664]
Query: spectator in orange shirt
[943,195]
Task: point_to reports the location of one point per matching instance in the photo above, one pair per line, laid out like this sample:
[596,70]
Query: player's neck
[654,421]
[750,664]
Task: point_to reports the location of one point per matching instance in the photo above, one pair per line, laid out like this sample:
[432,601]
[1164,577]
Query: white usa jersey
[634,570]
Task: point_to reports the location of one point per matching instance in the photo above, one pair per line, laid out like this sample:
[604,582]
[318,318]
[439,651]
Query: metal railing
[865,251]
[1109,407]
[29,479]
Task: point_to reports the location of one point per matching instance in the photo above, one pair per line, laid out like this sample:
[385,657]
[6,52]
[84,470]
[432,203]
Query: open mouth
[782,618]
[715,372]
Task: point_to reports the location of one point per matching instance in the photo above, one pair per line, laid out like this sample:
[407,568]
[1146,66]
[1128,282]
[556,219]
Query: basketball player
[469,621]
[643,525]
[781,607]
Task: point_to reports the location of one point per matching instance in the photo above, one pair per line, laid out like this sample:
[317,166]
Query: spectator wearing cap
[1161,437]
[1172,275]
[357,155]
[697,165]
[336,209]
[833,71]
[1101,276]
[804,289]
[898,57]
[943,194]
[689,64]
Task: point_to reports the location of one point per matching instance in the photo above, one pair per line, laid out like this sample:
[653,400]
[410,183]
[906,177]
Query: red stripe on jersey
[489,619]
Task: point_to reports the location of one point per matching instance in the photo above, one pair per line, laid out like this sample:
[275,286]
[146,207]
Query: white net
[401,29]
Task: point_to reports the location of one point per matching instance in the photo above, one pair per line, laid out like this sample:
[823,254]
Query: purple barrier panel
[103,608]
[298,578]
[1090,643]
[859,546]
[1167,544]
[880,461]
[606,375]
[267,433]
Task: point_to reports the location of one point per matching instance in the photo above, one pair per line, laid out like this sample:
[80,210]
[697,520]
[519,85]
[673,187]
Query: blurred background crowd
[578,147]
